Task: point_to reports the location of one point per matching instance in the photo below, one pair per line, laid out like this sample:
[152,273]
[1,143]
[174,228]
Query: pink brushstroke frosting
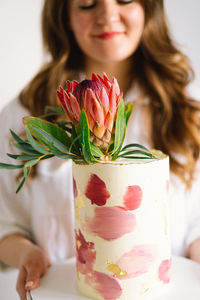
[138,261]
[106,285]
[96,190]
[75,188]
[85,254]
[133,197]
[164,270]
[110,223]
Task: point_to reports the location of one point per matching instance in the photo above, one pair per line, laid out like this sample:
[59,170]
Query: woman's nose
[108,12]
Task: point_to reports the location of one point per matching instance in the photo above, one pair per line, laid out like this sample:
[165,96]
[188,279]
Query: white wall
[20,45]
[185,26]
[21,51]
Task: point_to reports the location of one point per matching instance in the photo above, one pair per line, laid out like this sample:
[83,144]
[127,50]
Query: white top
[43,209]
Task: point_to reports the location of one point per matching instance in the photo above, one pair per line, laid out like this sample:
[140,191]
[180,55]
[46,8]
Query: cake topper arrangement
[93,131]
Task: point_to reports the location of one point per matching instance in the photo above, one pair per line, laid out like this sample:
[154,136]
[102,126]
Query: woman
[130,41]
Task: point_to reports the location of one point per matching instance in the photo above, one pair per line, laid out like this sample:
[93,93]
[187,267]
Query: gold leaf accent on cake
[116,270]
[158,153]
[80,201]
[78,204]
[144,289]
[77,216]
[146,285]
[77,272]
[78,243]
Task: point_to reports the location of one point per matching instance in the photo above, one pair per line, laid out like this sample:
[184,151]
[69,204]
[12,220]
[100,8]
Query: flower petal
[71,85]
[115,86]
[112,101]
[106,81]
[63,102]
[109,121]
[91,121]
[69,110]
[94,77]
[98,130]
[104,100]
[75,106]
[95,108]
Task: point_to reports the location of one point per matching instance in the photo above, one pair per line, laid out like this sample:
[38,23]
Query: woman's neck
[120,70]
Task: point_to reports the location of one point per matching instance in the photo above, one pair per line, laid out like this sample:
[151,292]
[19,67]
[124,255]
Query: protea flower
[99,97]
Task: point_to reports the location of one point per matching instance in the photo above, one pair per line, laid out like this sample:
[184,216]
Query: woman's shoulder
[11,115]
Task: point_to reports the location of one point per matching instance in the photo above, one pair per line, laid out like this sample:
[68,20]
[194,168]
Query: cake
[122,228]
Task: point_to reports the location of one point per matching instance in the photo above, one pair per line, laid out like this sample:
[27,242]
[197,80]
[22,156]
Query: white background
[21,49]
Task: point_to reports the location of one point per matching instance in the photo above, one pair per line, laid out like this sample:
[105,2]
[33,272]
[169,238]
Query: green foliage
[128,111]
[44,130]
[120,129]
[65,141]
[84,137]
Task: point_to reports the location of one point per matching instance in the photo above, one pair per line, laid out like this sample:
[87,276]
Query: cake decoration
[96,190]
[120,192]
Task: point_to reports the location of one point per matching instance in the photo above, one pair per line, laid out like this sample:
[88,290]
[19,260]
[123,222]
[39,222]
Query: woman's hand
[19,252]
[194,251]
[33,265]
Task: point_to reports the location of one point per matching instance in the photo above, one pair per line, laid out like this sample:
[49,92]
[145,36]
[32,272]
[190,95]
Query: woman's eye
[87,4]
[125,1]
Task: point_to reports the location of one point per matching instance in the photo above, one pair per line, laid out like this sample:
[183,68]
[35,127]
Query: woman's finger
[20,287]
[33,276]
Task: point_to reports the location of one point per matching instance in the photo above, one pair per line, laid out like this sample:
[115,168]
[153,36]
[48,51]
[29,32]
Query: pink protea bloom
[99,97]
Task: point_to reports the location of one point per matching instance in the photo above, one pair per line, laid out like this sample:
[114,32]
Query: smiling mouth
[108,35]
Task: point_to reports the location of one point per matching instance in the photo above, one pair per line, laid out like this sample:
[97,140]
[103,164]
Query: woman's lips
[108,35]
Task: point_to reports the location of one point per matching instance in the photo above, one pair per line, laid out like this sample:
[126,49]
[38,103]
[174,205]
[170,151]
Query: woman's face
[107,30]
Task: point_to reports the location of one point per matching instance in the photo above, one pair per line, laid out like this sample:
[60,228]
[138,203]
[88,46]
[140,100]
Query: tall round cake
[122,228]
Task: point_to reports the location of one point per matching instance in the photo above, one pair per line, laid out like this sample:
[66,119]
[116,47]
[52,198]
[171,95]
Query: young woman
[129,40]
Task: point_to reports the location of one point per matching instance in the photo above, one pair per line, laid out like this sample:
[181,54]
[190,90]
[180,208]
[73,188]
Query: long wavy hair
[160,69]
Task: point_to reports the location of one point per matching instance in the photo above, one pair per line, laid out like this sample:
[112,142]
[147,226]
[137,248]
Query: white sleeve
[193,207]
[14,208]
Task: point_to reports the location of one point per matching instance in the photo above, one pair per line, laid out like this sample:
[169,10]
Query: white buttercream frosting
[141,240]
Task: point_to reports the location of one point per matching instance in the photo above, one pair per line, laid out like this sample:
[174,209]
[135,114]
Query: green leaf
[62,124]
[120,129]
[66,155]
[134,146]
[49,128]
[128,111]
[75,139]
[46,156]
[21,184]
[22,157]
[54,109]
[31,163]
[26,171]
[73,144]
[135,157]
[15,156]
[53,143]
[86,156]
[25,148]
[84,133]
[143,153]
[10,166]
[35,144]
[17,138]
[96,151]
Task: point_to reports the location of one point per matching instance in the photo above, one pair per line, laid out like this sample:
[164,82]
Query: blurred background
[21,50]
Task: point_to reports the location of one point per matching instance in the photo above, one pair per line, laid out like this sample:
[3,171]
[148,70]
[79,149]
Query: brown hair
[161,71]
